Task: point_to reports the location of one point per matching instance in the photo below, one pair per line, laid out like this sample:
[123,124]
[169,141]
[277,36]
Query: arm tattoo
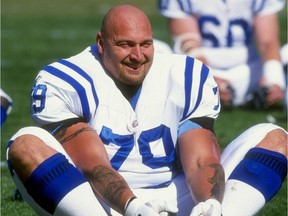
[109,183]
[218,181]
[60,136]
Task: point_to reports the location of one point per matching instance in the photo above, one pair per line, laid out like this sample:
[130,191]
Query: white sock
[81,201]
[240,199]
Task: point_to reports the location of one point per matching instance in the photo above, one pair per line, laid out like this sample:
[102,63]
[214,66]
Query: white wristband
[273,73]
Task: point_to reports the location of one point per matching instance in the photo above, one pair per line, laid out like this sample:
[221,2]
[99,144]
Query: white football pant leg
[80,201]
[236,190]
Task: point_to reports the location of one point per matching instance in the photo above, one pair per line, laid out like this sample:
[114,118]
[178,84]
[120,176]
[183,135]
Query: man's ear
[99,42]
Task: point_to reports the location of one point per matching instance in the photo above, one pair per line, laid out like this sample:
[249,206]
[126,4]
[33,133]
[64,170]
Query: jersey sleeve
[175,9]
[53,100]
[202,100]
[268,7]
[200,96]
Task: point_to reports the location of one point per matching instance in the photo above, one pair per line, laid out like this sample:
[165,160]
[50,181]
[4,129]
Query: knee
[275,140]
[22,147]
[23,142]
[26,151]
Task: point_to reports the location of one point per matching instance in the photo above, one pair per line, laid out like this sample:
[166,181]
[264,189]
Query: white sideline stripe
[3,164]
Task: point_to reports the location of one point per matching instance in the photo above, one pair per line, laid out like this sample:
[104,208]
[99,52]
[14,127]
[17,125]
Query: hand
[210,207]
[274,94]
[152,208]
[162,207]
[225,90]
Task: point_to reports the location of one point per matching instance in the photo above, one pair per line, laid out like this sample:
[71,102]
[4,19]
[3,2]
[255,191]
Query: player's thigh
[44,136]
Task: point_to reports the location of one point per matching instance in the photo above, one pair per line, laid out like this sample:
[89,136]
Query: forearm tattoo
[109,184]
[218,181]
[60,136]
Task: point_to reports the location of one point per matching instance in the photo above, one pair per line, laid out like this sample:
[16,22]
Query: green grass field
[36,32]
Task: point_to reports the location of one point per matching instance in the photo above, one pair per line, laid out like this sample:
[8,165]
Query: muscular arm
[266,30]
[200,157]
[267,37]
[183,26]
[86,150]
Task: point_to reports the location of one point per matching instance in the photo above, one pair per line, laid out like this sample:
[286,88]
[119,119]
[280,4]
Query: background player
[224,34]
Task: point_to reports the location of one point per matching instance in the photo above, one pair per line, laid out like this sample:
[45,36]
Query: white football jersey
[226,25]
[139,135]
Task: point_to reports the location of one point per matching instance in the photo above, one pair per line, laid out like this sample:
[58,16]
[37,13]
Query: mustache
[134,64]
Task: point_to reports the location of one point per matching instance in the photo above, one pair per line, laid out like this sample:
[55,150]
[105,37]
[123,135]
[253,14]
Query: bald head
[125,44]
[125,16]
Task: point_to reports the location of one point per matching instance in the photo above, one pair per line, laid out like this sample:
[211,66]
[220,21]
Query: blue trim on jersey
[188,85]
[10,167]
[3,115]
[76,85]
[256,6]
[262,5]
[215,90]
[204,75]
[163,4]
[83,74]
[187,125]
[253,6]
[185,6]
[135,98]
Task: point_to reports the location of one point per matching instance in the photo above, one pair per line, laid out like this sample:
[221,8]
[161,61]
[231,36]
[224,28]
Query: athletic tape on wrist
[273,73]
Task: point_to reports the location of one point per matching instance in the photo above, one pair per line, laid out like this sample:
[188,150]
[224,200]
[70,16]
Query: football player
[124,130]
[224,34]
